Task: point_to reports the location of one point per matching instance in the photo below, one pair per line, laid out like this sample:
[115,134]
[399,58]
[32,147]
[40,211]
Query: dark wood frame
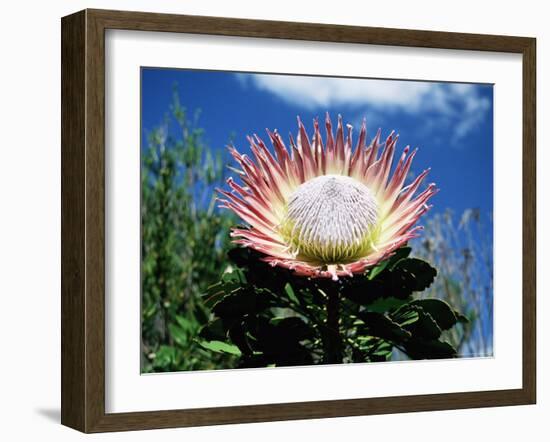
[83,216]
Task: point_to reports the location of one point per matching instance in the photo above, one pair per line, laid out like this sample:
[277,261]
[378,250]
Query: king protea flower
[325,209]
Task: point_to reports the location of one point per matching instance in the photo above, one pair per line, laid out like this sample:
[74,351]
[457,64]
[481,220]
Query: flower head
[324,208]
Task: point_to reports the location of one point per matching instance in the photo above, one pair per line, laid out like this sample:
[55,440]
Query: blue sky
[451,124]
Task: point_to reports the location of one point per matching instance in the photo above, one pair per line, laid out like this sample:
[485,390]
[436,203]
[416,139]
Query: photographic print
[294,220]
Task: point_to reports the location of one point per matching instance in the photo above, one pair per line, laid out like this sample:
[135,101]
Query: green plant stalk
[333,341]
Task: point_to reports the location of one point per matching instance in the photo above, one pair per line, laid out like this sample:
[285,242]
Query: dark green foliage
[184,243]
[275,318]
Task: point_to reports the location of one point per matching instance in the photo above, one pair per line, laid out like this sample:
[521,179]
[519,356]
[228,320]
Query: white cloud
[457,105]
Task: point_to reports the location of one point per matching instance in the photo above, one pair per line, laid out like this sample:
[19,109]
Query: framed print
[267,221]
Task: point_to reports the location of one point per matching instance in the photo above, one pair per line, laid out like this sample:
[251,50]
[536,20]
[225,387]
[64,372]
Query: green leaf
[405,316]
[230,281]
[185,323]
[237,333]
[259,273]
[375,271]
[215,293]
[240,302]
[220,347]
[215,330]
[439,311]
[234,276]
[178,334]
[400,254]
[389,263]
[398,277]
[164,356]
[425,326]
[277,341]
[420,348]
[149,311]
[383,305]
[421,272]
[371,349]
[376,324]
[290,293]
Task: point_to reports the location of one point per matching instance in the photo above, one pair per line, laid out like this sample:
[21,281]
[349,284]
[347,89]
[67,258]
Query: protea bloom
[325,209]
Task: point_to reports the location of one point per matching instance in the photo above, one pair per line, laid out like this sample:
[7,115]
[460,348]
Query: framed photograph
[268,220]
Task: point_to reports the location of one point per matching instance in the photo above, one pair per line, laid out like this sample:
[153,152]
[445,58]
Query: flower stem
[333,342]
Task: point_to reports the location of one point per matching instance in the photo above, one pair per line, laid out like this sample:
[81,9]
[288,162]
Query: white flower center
[331,219]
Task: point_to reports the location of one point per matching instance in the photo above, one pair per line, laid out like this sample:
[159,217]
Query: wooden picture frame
[83,220]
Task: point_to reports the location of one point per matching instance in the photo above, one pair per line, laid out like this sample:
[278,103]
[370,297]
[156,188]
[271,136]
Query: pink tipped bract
[323,208]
